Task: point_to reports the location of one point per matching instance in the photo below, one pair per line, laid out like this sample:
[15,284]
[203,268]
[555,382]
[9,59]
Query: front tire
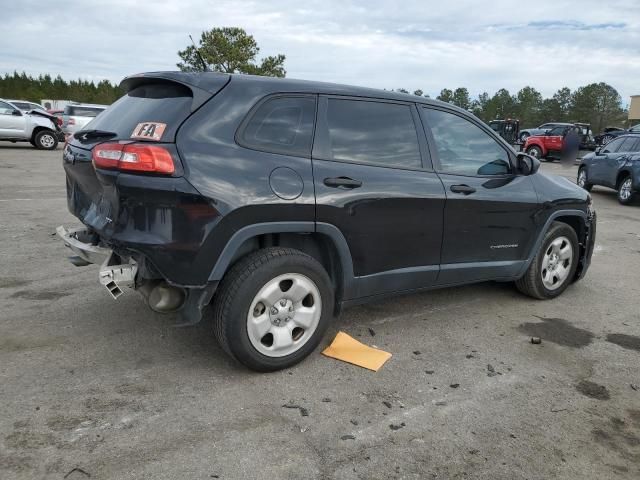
[626,195]
[582,179]
[272,308]
[554,266]
[46,140]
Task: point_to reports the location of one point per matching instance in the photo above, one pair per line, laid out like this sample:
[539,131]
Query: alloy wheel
[556,263]
[625,189]
[47,141]
[284,314]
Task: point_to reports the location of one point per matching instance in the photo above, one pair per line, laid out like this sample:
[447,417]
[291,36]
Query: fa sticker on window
[149,130]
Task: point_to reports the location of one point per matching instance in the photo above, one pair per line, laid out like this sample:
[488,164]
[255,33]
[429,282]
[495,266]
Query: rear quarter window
[282,124]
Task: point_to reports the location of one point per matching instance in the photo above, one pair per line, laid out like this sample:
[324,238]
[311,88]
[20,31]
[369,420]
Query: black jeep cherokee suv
[280,201]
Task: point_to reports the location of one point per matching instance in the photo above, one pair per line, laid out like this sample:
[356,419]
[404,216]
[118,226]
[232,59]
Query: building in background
[634,109]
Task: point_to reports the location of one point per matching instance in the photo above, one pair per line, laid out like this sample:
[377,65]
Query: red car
[548,145]
[58,115]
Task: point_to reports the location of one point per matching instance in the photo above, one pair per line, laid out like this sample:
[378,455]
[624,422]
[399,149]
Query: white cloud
[384,44]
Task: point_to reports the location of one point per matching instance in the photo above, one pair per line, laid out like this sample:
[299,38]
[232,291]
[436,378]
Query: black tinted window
[168,103]
[281,125]
[372,132]
[464,148]
[556,131]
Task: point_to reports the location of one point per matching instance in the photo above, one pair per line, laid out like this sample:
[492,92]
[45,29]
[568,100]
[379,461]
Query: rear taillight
[134,158]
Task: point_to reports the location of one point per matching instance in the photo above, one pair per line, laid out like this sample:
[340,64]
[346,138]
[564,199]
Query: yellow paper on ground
[350,350]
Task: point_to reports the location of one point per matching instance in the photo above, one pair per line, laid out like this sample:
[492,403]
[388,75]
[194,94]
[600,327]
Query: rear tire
[582,180]
[272,308]
[554,266]
[626,194]
[46,140]
[535,152]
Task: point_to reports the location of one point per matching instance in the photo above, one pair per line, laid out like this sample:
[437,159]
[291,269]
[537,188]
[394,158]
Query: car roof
[93,105]
[211,80]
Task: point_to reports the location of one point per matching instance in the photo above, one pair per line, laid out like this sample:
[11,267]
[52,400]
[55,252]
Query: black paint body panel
[401,230]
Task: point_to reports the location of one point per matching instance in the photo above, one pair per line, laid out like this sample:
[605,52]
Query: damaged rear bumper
[116,272]
[113,273]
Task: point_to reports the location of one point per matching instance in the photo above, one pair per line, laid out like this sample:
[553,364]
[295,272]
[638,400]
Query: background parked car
[612,132]
[25,105]
[615,165]
[508,129]
[58,114]
[76,116]
[541,130]
[34,126]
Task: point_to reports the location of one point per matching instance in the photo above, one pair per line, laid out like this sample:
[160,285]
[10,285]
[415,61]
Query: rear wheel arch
[621,176]
[324,246]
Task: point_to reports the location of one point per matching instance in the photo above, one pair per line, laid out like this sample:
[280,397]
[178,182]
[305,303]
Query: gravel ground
[108,389]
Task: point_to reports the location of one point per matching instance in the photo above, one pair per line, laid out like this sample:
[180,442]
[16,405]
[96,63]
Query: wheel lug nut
[274,310]
[283,302]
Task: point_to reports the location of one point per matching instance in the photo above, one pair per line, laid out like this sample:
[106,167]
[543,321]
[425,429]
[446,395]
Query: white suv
[35,126]
[77,115]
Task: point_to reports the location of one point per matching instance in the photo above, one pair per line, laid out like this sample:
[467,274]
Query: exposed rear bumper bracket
[114,274]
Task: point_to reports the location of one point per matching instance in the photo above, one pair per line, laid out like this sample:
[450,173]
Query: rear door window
[282,124]
[160,103]
[372,132]
[464,148]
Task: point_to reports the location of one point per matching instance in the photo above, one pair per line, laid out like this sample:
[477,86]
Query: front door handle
[344,182]
[464,189]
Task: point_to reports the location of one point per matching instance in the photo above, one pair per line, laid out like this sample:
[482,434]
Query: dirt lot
[110,389]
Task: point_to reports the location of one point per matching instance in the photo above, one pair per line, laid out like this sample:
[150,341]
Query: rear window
[161,103]
[75,111]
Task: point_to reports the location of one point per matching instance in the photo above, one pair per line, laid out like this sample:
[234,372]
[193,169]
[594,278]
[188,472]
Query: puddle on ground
[558,330]
[629,342]
[12,282]
[39,295]
[593,390]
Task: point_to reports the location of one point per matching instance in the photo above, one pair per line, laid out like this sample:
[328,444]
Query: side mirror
[16,113]
[527,165]
[597,150]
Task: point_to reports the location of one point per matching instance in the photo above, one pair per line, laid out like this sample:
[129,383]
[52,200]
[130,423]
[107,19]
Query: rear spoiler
[203,85]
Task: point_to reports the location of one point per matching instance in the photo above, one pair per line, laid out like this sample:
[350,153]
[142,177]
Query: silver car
[34,126]
[76,116]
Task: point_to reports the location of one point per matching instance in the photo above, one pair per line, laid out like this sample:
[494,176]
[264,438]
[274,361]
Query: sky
[427,45]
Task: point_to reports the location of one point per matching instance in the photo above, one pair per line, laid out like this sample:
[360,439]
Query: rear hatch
[120,198]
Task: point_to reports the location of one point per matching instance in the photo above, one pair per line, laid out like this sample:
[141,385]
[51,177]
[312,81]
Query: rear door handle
[464,189]
[344,182]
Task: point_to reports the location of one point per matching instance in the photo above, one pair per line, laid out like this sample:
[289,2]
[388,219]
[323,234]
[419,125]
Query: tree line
[597,103]
[26,87]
